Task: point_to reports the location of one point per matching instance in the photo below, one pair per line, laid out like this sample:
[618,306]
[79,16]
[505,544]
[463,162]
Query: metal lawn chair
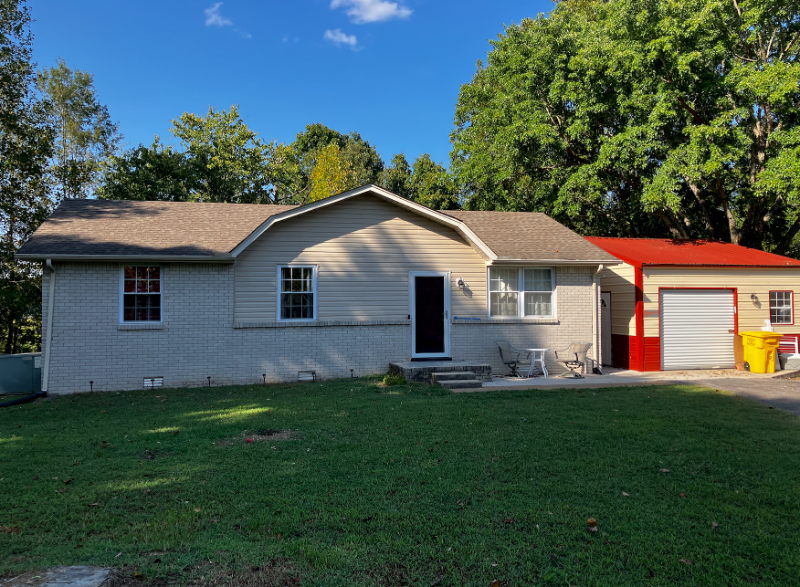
[511,357]
[573,357]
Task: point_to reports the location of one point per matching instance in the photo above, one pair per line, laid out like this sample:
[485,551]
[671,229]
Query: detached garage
[679,304]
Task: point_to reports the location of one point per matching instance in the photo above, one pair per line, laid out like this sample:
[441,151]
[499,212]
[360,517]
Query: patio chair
[573,357]
[511,357]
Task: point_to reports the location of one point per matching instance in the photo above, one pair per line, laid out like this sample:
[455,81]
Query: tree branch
[678,231]
[788,46]
[788,237]
[691,111]
[701,201]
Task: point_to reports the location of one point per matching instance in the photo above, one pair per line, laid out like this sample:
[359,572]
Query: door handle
[445,314]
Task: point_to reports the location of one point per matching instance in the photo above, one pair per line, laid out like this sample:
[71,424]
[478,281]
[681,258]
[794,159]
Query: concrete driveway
[779,393]
[777,390]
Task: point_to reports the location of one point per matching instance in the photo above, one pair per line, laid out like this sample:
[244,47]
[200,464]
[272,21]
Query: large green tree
[331,175]
[432,185]
[641,118]
[396,176]
[230,163]
[357,155]
[25,147]
[220,159]
[156,172]
[85,134]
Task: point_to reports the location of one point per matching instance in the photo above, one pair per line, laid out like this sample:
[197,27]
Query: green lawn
[404,486]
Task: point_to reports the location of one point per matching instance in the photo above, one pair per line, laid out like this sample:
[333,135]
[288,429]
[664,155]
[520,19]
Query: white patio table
[537,356]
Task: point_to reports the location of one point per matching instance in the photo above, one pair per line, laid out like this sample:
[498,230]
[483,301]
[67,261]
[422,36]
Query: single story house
[677,304]
[147,293]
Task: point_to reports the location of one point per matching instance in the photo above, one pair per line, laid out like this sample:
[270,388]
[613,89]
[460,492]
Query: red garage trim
[769,308]
[652,353]
[638,360]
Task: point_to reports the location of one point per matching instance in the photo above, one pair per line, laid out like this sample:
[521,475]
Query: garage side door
[697,329]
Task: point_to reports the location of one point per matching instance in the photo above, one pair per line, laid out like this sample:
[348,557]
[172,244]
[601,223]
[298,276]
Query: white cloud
[214,18]
[337,37]
[364,11]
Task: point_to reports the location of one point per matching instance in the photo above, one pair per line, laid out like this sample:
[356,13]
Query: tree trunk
[673,224]
[9,336]
[701,202]
[788,237]
[15,339]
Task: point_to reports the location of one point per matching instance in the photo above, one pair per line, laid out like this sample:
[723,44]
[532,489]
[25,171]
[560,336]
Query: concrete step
[422,371]
[452,376]
[461,384]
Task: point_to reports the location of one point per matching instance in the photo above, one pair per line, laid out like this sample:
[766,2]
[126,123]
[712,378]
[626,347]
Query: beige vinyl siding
[747,280]
[619,281]
[364,249]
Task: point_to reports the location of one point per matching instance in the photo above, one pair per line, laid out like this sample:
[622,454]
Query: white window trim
[122,295]
[791,307]
[314,272]
[520,293]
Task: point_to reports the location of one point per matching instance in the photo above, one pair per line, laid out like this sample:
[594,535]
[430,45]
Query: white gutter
[51,296]
[562,262]
[596,319]
[218,258]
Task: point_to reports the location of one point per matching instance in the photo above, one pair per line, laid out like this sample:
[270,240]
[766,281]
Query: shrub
[394,380]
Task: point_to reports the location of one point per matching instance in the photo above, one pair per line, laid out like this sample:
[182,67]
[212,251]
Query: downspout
[51,295]
[596,325]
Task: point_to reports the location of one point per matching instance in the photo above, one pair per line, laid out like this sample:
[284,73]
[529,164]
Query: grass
[407,485]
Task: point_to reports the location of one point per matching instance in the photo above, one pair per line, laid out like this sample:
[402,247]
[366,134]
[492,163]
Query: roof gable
[376,191]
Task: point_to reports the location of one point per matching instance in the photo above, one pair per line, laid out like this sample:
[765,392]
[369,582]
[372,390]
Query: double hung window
[297,293]
[141,294]
[781,307]
[521,292]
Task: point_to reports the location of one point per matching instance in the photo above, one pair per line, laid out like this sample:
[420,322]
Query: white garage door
[697,329]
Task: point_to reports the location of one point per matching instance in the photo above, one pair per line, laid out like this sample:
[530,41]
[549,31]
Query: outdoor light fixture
[460,282]
[754,297]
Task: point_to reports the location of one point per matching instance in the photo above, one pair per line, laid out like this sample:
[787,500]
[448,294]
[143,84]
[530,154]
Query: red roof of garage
[663,251]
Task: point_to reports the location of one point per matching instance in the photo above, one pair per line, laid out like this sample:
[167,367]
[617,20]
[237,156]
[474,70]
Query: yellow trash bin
[760,349]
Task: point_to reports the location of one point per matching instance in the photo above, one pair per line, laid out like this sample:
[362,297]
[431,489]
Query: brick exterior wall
[474,341]
[197,338]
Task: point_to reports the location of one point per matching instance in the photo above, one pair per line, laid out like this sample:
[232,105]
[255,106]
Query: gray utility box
[21,373]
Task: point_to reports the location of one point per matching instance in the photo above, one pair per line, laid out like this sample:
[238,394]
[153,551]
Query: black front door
[429,319]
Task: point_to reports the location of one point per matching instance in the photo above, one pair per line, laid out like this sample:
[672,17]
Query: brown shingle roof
[134,228]
[530,236]
[181,230]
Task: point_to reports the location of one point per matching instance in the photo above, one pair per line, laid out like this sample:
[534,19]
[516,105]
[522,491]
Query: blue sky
[388,69]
